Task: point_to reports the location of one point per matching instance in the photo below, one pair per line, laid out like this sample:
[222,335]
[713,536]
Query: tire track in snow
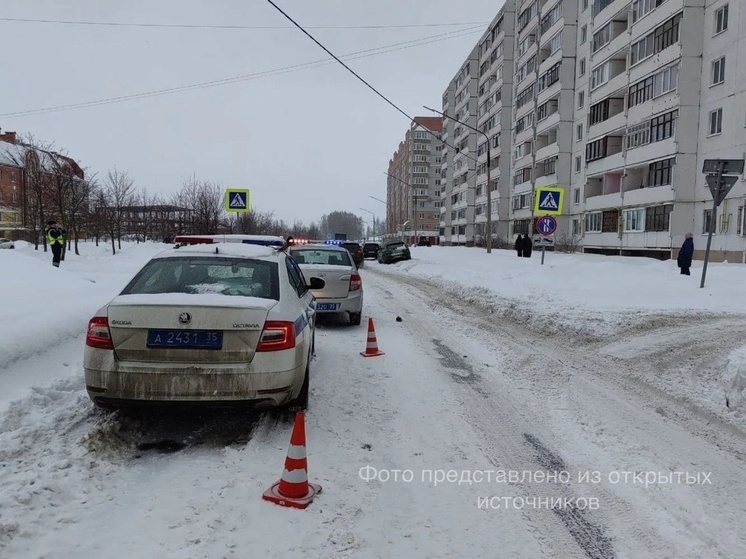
[587,377]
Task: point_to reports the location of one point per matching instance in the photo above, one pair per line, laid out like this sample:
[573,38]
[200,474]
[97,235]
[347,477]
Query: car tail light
[277,335]
[356,282]
[98,333]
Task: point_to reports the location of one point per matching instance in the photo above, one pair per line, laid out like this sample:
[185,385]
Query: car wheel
[356,318]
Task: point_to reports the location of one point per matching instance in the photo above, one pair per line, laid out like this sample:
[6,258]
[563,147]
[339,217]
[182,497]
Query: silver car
[343,292]
[206,323]
[6,243]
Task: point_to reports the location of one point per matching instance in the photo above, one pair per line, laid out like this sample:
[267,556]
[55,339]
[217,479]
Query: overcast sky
[305,142]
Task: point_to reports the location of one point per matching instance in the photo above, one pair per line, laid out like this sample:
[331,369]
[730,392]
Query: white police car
[226,322]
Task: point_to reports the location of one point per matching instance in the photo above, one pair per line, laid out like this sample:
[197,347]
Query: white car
[343,292]
[216,323]
[6,243]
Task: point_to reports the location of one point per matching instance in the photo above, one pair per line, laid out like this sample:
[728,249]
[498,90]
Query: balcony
[618,43]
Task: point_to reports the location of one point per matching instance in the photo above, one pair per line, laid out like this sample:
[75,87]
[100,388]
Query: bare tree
[120,192]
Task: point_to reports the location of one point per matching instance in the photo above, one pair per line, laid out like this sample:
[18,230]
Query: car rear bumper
[110,380]
[352,303]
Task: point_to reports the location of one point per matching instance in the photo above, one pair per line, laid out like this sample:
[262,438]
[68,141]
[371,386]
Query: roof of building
[432,123]
[14,155]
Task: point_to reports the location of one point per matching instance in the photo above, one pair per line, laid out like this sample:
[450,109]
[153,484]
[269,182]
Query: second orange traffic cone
[371,347]
[293,489]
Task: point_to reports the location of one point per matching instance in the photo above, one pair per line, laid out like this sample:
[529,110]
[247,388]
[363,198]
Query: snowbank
[42,306]
[590,293]
[734,380]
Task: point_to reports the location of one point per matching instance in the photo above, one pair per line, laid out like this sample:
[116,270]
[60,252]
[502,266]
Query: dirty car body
[217,323]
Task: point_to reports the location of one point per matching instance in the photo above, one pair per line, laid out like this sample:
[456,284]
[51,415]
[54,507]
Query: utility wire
[381,95]
[246,77]
[205,26]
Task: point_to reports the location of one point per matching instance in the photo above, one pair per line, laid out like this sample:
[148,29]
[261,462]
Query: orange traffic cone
[293,489]
[371,348]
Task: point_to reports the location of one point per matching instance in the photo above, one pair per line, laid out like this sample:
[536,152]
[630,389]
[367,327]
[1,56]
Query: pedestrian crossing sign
[237,200]
[548,200]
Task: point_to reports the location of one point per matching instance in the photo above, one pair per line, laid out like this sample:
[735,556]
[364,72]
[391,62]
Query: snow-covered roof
[14,155]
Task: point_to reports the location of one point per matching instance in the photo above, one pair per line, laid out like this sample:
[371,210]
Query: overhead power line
[216,26]
[381,95]
[394,47]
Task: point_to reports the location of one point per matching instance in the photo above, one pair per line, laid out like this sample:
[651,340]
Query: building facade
[413,185]
[543,136]
[29,180]
[459,164]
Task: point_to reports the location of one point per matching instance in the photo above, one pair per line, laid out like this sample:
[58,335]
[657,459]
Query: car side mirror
[316,283]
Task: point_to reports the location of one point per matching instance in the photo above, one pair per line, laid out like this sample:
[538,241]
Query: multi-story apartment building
[544,136]
[413,185]
[458,172]
[494,122]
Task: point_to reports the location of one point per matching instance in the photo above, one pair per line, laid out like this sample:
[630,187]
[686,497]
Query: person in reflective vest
[56,240]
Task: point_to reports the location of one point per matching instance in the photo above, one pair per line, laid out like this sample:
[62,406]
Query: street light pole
[489,180]
[374,220]
[415,197]
[388,217]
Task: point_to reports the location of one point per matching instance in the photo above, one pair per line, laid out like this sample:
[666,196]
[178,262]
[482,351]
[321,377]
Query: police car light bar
[334,242]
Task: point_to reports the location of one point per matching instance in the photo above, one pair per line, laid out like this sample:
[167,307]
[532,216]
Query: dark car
[356,251]
[423,243]
[393,251]
[370,250]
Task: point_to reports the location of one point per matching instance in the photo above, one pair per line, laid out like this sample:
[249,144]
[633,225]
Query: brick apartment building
[20,165]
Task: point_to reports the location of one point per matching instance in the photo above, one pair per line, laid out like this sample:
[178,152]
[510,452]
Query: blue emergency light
[334,242]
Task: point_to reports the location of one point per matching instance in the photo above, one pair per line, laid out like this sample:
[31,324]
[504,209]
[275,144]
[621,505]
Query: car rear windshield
[321,256]
[395,245]
[225,276]
[352,246]
[371,245]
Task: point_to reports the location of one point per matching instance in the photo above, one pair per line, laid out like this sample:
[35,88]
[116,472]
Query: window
[660,172]
[634,220]
[641,49]
[721,19]
[718,71]
[708,223]
[521,201]
[554,15]
[599,112]
[578,163]
[667,34]
[658,218]
[583,34]
[549,77]
[663,126]
[578,132]
[521,226]
[599,5]
[640,92]
[549,166]
[524,96]
[666,80]
[716,122]
[581,99]
[576,196]
[596,150]
[600,75]
[576,228]
[581,67]
[644,7]
[593,222]
[601,37]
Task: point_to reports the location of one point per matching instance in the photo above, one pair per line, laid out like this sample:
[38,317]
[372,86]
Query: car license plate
[326,307]
[187,339]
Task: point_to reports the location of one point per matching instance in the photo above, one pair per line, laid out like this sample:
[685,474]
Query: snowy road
[459,388]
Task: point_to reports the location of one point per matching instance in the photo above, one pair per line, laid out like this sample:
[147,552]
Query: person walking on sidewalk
[518,247]
[686,253]
[56,239]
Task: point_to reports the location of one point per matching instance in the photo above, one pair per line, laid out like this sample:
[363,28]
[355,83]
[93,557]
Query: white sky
[305,142]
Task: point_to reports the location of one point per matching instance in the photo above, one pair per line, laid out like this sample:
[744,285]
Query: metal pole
[543,251]
[715,197]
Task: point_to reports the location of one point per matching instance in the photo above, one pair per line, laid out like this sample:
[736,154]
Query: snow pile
[593,294]
[734,380]
[43,306]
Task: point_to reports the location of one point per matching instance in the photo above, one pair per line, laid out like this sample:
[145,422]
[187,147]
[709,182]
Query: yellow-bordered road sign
[548,200]
[238,200]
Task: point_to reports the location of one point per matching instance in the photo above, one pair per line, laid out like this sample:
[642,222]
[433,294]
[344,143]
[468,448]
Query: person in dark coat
[527,246]
[518,246]
[686,253]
